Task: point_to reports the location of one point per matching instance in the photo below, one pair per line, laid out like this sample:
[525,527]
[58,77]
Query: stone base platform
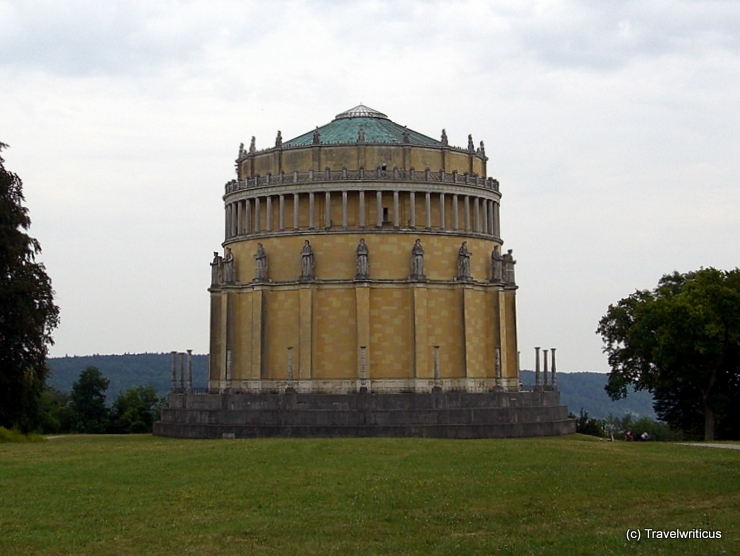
[432,415]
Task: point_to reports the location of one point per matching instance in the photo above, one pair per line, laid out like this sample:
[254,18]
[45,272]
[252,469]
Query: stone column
[429,210]
[536,368]
[296,212]
[281,222]
[441,211]
[412,209]
[484,215]
[327,215]
[268,216]
[182,371]
[467,213]
[379,196]
[173,386]
[189,385]
[362,210]
[476,215]
[489,215]
[256,215]
[554,376]
[344,210]
[395,209]
[227,224]
[310,211]
[544,369]
[248,219]
[455,221]
[239,218]
[496,220]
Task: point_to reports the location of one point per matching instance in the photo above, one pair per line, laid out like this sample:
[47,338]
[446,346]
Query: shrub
[588,425]
[10,435]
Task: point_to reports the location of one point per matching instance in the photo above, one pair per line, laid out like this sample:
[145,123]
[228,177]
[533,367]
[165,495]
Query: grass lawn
[143,495]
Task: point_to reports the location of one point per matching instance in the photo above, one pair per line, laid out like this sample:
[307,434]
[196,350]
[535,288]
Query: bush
[658,430]
[55,416]
[586,425]
[10,435]
[135,410]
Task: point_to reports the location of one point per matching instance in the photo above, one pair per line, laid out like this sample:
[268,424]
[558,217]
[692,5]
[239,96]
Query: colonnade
[469,213]
[185,384]
[542,384]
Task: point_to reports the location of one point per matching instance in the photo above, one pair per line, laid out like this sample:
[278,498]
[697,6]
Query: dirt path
[710,445]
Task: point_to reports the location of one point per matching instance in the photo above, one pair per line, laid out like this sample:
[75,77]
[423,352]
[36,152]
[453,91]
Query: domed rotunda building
[363,290]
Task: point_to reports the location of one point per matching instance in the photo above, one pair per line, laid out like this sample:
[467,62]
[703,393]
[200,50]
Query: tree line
[84,409]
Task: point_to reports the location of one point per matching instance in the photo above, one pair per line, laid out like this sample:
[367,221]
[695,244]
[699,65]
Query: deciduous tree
[680,341]
[27,310]
[87,402]
[135,410]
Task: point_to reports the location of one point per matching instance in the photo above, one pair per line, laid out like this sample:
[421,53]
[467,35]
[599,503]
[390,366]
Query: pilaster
[362,314]
[502,332]
[305,332]
[422,368]
[258,331]
[470,335]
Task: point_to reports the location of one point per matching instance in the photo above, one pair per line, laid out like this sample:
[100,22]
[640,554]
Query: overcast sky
[613,128]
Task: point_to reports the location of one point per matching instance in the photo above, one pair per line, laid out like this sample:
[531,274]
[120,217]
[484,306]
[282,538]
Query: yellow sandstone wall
[400,322]
[353,157]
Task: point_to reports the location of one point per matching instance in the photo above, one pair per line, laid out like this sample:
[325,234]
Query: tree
[54,414]
[135,410]
[27,310]
[680,341]
[87,402]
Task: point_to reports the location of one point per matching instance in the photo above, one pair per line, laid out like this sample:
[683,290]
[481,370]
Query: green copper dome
[362,124]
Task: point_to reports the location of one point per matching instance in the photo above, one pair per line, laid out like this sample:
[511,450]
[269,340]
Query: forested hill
[586,390]
[578,390]
[126,371]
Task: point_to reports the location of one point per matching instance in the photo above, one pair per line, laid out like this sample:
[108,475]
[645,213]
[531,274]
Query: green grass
[131,495]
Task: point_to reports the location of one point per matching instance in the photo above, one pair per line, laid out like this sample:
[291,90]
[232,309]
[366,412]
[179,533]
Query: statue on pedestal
[307,262]
[509,262]
[417,261]
[260,264]
[217,271]
[496,266]
[463,262]
[363,265]
[229,270]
